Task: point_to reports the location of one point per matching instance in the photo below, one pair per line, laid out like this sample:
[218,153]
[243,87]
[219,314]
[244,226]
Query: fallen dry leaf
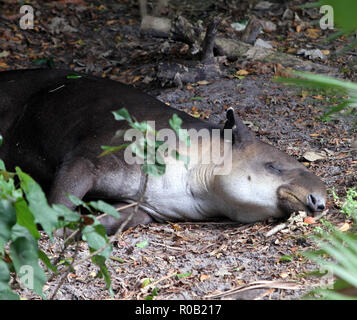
[204,277]
[242,72]
[312,156]
[309,220]
[344,227]
[312,33]
[203,82]
[136,78]
[3,65]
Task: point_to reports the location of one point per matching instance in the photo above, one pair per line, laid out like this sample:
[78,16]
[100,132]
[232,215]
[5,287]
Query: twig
[166,246]
[276,229]
[153,284]
[322,214]
[282,226]
[276,284]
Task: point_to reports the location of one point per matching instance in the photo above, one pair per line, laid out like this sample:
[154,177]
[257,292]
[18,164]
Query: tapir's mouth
[290,202]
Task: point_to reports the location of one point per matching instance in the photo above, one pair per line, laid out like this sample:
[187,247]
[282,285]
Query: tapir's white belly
[167,198]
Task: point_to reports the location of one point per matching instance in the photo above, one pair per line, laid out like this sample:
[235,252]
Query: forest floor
[198,260]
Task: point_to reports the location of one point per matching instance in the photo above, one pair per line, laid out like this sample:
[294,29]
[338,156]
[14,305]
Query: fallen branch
[276,284]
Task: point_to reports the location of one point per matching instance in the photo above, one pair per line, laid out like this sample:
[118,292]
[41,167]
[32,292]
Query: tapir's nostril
[315,203]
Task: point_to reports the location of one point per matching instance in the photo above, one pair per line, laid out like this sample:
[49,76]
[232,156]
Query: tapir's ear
[240,132]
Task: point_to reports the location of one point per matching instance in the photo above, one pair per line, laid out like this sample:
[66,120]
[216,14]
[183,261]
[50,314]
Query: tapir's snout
[315,203]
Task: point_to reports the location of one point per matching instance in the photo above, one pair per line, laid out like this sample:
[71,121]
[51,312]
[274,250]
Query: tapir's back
[65,91]
[48,114]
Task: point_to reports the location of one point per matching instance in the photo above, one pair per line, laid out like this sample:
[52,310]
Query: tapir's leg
[112,225]
[74,177]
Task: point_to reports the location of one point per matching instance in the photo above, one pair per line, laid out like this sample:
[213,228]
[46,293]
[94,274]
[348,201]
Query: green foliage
[142,244]
[148,147]
[44,61]
[73,76]
[183,275]
[349,208]
[153,294]
[337,254]
[339,88]
[23,206]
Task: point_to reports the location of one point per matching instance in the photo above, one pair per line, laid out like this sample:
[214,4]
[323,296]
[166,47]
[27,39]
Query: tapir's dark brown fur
[53,127]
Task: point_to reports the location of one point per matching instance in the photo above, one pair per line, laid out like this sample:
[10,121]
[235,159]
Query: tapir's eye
[273,168]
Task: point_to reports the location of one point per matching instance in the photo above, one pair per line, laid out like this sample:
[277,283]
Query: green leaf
[96,237]
[67,214]
[175,123]
[7,221]
[338,108]
[145,282]
[5,290]
[286,258]
[153,294]
[122,114]
[73,76]
[105,208]
[111,149]
[2,166]
[24,255]
[48,61]
[78,202]
[142,244]
[38,205]
[25,217]
[43,256]
[141,126]
[183,275]
[100,262]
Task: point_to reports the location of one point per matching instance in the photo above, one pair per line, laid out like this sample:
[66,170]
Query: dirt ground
[195,260]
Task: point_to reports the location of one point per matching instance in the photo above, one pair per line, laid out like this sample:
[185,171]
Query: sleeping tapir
[53,126]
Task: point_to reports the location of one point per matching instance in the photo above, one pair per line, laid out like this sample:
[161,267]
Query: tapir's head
[265,182]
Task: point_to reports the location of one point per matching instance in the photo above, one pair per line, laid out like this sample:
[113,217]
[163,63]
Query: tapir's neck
[201,178]
[201,181]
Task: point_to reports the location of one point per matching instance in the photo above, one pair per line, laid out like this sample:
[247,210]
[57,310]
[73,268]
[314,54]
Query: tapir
[53,126]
